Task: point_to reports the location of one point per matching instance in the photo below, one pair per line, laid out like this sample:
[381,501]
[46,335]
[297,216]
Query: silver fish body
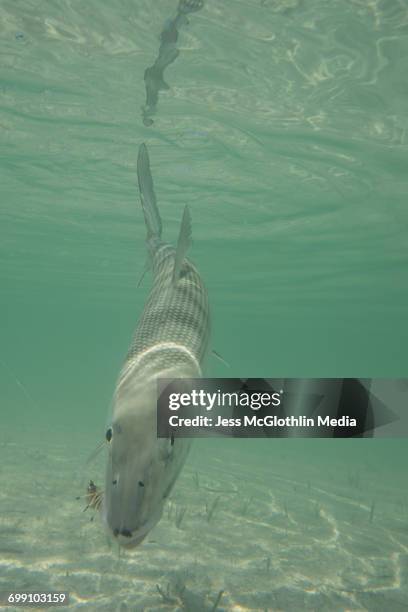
[171,340]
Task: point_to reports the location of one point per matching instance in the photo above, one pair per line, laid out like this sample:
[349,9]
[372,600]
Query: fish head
[141,468]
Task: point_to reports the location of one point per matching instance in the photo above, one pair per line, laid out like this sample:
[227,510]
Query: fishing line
[19,383]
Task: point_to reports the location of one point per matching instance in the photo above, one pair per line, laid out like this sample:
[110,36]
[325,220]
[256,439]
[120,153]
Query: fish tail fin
[183,244]
[147,195]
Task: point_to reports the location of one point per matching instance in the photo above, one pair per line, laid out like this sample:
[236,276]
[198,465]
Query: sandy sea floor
[268,530]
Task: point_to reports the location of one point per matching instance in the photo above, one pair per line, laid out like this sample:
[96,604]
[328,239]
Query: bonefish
[170,340]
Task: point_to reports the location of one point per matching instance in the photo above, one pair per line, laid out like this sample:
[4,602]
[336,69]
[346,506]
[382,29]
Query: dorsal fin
[183,243]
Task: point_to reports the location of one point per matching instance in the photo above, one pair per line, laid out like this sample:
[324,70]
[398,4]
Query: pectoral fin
[220,358]
[145,269]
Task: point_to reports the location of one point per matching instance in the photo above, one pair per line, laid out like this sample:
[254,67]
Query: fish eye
[109,434]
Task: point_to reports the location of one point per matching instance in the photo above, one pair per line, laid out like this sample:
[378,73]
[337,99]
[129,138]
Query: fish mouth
[130,539]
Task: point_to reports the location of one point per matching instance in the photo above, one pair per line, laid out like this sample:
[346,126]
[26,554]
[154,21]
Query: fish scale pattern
[175,322]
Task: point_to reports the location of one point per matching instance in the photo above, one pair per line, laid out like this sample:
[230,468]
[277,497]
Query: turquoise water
[285,130]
